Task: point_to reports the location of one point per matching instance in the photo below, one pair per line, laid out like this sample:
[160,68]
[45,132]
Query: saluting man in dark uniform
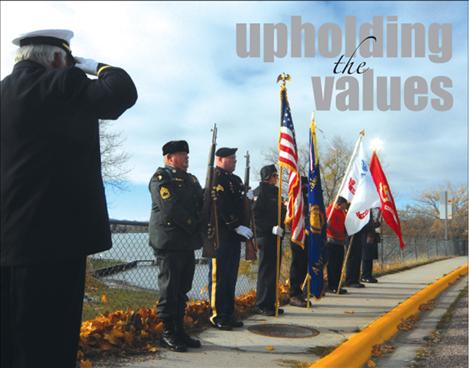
[53,208]
[223,273]
[267,230]
[175,231]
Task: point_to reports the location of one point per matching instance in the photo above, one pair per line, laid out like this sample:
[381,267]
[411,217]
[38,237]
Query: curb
[356,351]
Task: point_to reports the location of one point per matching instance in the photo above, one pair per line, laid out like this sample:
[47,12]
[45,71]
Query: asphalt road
[452,350]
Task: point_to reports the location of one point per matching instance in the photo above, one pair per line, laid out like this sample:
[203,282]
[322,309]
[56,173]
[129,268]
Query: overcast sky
[182,57]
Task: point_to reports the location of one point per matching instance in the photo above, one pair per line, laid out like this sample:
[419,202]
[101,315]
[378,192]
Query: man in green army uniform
[175,231]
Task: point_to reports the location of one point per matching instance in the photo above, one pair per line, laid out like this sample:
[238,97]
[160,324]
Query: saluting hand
[89,66]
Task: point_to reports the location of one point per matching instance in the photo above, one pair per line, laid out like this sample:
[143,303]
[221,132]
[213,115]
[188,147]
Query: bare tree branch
[113,158]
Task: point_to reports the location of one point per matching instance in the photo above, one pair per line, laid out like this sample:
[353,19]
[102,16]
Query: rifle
[248,216]
[211,238]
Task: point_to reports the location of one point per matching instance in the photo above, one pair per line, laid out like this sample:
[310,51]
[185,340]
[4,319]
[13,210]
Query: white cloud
[183,61]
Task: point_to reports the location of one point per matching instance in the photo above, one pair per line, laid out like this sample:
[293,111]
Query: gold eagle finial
[284,78]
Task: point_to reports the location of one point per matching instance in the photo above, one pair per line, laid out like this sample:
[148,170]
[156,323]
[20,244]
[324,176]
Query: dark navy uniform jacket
[266,209]
[175,221]
[230,192]
[52,197]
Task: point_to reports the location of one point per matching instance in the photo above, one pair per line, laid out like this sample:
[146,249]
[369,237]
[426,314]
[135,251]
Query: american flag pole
[282,77]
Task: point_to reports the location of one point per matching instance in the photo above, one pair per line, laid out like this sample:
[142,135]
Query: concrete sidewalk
[335,317]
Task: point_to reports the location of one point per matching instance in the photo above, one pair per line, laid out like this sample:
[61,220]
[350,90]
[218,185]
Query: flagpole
[279,219]
[344,265]
[354,153]
[282,77]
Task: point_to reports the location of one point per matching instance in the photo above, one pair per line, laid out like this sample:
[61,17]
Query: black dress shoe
[298,301]
[268,312]
[356,285]
[370,281]
[222,325]
[190,341]
[265,312]
[173,343]
[236,323]
[342,291]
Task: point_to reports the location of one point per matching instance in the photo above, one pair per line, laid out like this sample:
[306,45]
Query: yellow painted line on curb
[356,351]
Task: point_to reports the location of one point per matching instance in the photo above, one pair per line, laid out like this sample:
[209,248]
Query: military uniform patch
[219,188]
[165,193]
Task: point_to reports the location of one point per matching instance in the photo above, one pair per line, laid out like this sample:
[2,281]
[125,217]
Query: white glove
[277,230]
[250,195]
[244,231]
[89,66]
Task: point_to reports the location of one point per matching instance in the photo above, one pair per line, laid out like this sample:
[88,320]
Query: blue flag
[316,219]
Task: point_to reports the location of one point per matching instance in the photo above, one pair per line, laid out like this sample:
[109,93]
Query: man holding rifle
[229,192]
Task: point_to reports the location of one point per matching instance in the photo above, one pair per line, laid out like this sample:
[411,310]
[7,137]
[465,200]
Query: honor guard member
[53,208]
[267,230]
[370,248]
[336,235]
[354,261]
[175,230]
[299,258]
[223,273]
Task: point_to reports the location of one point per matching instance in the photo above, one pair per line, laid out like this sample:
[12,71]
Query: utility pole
[444,215]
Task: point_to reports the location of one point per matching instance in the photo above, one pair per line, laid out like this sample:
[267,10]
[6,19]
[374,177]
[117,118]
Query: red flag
[388,207]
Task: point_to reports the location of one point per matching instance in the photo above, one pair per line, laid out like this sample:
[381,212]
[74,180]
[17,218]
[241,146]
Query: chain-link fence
[419,249]
[131,262]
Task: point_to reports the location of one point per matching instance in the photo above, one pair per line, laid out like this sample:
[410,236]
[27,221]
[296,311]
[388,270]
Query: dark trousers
[354,260]
[298,268]
[223,273]
[367,269]
[267,274]
[41,314]
[335,256]
[176,272]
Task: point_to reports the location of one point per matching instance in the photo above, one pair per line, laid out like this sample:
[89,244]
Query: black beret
[267,172]
[341,200]
[175,146]
[225,151]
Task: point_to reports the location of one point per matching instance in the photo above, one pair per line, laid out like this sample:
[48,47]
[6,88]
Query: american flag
[288,158]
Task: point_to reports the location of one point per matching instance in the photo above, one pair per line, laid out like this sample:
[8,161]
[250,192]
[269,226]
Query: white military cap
[54,37]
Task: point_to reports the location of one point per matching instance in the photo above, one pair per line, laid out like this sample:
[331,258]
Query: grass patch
[98,263]
[290,363]
[248,269]
[322,351]
[100,298]
[390,268]
[448,316]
